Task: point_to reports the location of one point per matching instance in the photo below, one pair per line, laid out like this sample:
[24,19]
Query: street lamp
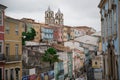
[24,37]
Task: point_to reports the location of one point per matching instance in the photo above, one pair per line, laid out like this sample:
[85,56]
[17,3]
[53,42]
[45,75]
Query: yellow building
[96,62]
[65,33]
[37,28]
[27,23]
[13,49]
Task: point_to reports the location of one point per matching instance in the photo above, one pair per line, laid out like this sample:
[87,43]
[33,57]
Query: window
[1,18]
[37,32]
[16,30]
[95,63]
[7,49]
[106,26]
[102,27]
[51,15]
[6,74]
[0,73]
[11,74]
[17,70]
[7,28]
[57,17]
[56,22]
[0,47]
[109,25]
[16,50]
[115,21]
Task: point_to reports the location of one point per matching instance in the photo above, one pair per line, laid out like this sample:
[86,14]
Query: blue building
[110,27]
[47,33]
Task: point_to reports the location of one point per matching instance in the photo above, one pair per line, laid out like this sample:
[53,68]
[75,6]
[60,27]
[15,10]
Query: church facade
[56,19]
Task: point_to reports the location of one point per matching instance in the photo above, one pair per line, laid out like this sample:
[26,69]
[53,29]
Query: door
[0,73]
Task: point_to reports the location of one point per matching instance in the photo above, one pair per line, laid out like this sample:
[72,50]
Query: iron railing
[10,58]
[2,57]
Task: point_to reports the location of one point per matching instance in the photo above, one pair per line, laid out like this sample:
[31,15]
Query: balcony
[11,58]
[2,57]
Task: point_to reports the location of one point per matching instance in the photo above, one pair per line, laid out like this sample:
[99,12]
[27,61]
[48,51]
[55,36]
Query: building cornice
[2,6]
[13,62]
[101,3]
[12,41]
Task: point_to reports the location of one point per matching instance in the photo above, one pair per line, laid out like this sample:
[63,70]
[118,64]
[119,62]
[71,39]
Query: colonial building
[50,19]
[67,33]
[47,33]
[64,66]
[57,34]
[77,55]
[110,27]
[31,59]
[13,49]
[72,35]
[2,59]
[63,33]
[28,23]
[90,45]
[83,30]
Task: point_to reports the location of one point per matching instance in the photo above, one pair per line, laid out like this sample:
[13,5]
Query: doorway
[0,73]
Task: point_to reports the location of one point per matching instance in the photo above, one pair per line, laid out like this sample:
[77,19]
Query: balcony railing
[2,57]
[10,58]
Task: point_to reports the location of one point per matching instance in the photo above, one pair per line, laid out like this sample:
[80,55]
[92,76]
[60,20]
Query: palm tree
[50,56]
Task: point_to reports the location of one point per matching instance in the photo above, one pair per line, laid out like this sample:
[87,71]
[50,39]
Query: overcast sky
[76,12]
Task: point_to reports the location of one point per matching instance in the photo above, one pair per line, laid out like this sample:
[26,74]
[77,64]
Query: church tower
[59,18]
[49,16]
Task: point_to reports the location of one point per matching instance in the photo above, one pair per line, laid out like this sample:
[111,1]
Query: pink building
[57,34]
[2,59]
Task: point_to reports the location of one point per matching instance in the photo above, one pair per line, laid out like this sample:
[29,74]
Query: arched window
[56,22]
[57,17]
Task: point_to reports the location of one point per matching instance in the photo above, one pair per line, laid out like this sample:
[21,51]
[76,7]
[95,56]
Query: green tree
[50,56]
[28,36]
